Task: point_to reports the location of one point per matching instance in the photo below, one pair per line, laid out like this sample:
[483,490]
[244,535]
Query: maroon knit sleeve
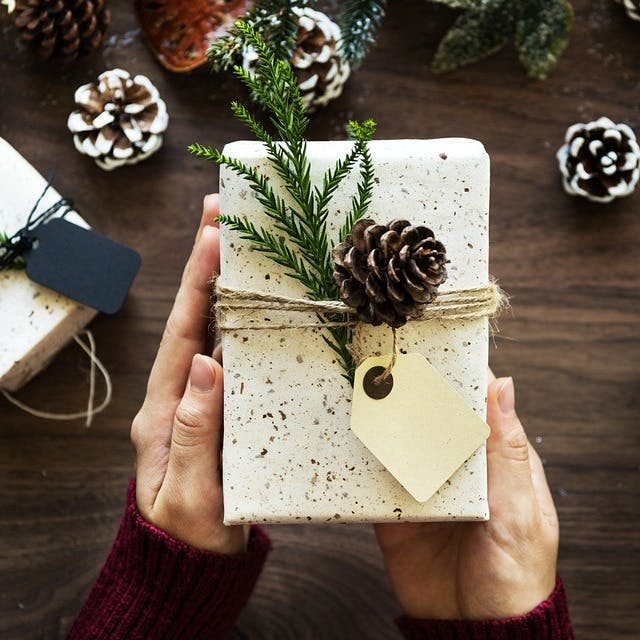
[548,621]
[153,586]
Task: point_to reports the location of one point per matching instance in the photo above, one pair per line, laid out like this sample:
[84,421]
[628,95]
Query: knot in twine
[460,304]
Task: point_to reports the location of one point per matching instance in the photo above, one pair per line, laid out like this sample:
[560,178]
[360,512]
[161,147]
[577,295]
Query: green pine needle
[303,249]
[359,24]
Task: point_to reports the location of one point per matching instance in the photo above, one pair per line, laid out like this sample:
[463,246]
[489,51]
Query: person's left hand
[177,432]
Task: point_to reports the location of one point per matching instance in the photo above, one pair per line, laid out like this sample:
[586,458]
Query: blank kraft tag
[82,264]
[415,423]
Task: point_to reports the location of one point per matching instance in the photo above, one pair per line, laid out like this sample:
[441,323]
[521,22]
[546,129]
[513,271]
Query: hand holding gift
[177,433]
[480,571]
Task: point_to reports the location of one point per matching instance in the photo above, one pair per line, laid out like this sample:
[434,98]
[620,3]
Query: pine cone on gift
[120,120]
[316,61]
[62,28]
[600,160]
[632,8]
[389,272]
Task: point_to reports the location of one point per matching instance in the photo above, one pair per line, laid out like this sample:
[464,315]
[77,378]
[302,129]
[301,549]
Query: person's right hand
[177,433]
[483,570]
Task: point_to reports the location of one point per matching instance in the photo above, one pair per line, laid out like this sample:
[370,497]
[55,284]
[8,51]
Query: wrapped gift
[35,322]
[289,454]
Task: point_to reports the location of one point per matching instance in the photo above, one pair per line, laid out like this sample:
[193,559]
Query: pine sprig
[273,20]
[540,29]
[360,203]
[359,24]
[301,213]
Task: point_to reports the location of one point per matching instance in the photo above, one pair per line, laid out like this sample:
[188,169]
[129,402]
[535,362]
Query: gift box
[35,322]
[288,453]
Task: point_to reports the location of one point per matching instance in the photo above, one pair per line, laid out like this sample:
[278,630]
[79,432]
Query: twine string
[14,247]
[460,304]
[392,363]
[91,411]
[470,303]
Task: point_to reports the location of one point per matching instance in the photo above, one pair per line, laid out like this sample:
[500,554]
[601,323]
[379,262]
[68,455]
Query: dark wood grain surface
[571,341]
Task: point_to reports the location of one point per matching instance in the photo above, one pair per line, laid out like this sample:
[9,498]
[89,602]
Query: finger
[188,323]
[508,462]
[210,211]
[194,456]
[217,353]
[541,487]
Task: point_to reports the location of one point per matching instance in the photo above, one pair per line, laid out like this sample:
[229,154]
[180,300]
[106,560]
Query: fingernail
[202,377]
[506,396]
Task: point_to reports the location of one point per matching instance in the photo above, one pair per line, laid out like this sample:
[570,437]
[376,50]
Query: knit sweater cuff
[548,621]
[154,586]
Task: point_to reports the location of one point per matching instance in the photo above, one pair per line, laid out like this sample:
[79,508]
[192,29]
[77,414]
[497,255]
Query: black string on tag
[79,263]
[13,249]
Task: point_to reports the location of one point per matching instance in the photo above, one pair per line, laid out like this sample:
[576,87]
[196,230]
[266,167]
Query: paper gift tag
[415,423]
[81,264]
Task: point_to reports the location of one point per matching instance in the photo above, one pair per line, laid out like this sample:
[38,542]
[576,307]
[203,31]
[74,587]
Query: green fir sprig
[5,244]
[273,20]
[359,23]
[539,28]
[303,249]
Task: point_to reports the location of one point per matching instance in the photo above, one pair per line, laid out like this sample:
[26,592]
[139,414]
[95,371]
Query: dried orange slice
[180,31]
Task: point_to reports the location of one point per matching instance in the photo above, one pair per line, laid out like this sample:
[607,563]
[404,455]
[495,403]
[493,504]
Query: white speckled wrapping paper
[289,455]
[35,322]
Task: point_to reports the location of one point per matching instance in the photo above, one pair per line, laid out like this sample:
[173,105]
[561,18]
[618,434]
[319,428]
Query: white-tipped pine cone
[316,61]
[632,7]
[600,160]
[119,120]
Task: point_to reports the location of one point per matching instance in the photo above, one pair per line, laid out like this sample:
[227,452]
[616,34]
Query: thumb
[509,468]
[194,455]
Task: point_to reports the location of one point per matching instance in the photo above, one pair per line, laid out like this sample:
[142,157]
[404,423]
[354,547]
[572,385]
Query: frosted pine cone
[120,120]
[389,272]
[62,28]
[316,61]
[632,8]
[600,160]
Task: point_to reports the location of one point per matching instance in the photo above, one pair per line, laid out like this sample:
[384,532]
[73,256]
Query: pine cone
[632,8]
[600,160]
[317,62]
[389,272]
[120,120]
[62,28]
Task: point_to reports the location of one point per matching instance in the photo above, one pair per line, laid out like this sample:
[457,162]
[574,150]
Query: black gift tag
[81,264]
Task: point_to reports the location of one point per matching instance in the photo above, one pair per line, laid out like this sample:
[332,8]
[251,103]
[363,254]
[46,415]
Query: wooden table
[571,340]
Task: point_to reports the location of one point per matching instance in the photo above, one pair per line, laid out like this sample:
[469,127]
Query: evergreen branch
[303,249]
[360,203]
[542,31]
[276,248]
[476,34]
[359,23]
[342,337]
[273,20]
[284,217]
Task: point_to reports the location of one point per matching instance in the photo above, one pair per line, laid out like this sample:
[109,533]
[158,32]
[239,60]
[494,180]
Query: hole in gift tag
[380,389]
[423,431]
